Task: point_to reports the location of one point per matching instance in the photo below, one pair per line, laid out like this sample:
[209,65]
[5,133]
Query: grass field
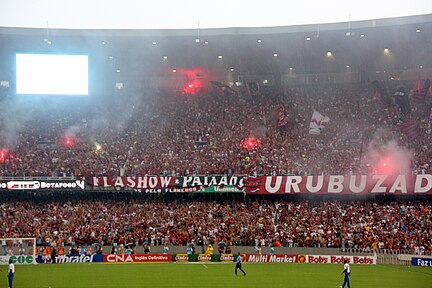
[267,275]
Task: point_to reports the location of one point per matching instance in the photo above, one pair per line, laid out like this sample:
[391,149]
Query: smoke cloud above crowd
[384,155]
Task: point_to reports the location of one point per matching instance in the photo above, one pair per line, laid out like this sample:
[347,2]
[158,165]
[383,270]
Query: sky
[193,14]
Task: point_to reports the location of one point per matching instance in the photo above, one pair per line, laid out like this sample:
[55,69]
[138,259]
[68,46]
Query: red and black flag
[253,184]
[410,128]
[419,95]
[224,88]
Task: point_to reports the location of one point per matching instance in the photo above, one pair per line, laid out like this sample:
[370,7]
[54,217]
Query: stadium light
[174,70]
[118,70]
[110,57]
[206,42]
[259,40]
[308,39]
[104,43]
[165,57]
[154,42]
[329,54]
[362,35]
[220,57]
[291,68]
[418,30]
[275,55]
[232,69]
[347,66]
[386,50]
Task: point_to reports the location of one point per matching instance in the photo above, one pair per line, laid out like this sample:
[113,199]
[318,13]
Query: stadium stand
[362,225]
[222,131]
[160,137]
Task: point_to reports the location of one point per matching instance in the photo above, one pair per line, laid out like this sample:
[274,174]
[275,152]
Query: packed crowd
[163,133]
[359,224]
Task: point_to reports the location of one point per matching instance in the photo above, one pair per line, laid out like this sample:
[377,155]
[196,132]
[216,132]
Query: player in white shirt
[11,273]
[347,272]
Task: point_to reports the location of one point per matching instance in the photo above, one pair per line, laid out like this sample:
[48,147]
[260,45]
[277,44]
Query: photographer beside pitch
[347,272]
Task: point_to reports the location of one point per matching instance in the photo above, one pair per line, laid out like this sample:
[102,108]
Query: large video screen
[51,74]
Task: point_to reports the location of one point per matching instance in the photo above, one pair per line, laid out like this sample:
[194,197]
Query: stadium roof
[191,14]
[357,45]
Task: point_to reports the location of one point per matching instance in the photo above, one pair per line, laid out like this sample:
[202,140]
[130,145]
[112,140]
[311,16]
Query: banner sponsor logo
[76,259]
[275,258]
[424,262]
[226,258]
[221,189]
[136,258]
[17,259]
[364,260]
[301,258]
[204,258]
[338,184]
[181,257]
[337,259]
[4,260]
[42,185]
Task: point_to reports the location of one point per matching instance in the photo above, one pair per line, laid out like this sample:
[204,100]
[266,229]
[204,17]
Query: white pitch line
[205,265]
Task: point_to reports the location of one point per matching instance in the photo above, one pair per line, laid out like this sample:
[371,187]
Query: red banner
[338,184]
[271,258]
[136,258]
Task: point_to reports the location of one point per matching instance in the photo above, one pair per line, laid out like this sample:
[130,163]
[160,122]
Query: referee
[239,265]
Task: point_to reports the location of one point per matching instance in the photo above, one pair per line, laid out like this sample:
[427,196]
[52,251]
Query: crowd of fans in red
[166,134]
[360,224]
[203,134]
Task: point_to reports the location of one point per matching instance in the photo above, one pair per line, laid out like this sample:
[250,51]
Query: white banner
[338,259]
[317,123]
[17,259]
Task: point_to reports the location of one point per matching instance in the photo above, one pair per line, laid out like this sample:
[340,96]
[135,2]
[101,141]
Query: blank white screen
[48,74]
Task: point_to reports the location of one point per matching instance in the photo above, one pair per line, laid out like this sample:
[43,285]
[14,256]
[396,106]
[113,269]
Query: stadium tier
[217,133]
[364,225]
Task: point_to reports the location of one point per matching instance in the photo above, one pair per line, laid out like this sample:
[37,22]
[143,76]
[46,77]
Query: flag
[252,184]
[410,128]
[282,116]
[261,115]
[419,95]
[380,93]
[402,100]
[248,90]
[429,125]
[224,88]
[317,123]
[252,88]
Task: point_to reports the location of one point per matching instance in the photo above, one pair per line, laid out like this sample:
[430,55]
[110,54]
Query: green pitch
[215,275]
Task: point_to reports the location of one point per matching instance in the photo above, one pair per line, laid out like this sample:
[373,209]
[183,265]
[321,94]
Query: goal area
[19,250]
